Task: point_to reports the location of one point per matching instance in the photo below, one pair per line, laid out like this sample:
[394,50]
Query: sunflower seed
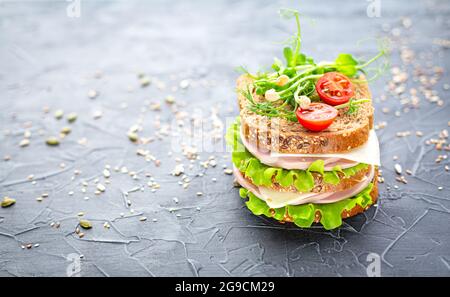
[398,168]
[25,142]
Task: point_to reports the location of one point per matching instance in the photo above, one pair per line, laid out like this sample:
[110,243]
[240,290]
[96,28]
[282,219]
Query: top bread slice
[348,131]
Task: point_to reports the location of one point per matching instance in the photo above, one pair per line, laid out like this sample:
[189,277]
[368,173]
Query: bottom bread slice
[326,214]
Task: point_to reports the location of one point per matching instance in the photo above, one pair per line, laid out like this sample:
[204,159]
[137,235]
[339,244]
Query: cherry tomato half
[317,117]
[334,88]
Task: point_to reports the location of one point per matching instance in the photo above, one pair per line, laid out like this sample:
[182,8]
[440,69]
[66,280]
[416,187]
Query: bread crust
[280,135]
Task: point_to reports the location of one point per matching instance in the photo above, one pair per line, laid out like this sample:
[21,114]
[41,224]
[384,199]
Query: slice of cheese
[369,153]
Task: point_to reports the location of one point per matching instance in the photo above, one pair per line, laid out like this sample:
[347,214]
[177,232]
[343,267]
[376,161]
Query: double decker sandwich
[304,148]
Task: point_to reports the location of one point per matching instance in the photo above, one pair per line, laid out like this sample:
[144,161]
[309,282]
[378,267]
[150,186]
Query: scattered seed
[97,114]
[85,224]
[101,188]
[92,94]
[145,81]
[52,141]
[81,235]
[398,168]
[66,130]
[228,171]
[24,142]
[440,188]
[72,117]
[178,170]
[59,114]
[7,202]
[170,99]
[106,173]
[199,194]
[143,219]
[401,179]
[132,136]
[184,84]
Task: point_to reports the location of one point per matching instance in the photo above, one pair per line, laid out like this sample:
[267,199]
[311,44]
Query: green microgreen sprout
[299,74]
[352,104]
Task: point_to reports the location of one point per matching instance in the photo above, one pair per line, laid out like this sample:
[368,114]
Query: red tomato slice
[334,88]
[317,117]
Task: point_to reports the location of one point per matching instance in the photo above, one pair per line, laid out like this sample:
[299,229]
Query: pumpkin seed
[145,81]
[7,202]
[53,141]
[66,130]
[133,136]
[85,224]
[72,117]
[59,114]
[170,99]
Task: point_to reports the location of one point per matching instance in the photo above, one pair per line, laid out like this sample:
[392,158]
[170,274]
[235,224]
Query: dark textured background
[49,59]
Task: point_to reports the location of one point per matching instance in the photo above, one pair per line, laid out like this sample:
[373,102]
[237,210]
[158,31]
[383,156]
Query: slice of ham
[293,162]
[276,199]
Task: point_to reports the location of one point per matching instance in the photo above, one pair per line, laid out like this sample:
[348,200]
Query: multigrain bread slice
[280,135]
[320,186]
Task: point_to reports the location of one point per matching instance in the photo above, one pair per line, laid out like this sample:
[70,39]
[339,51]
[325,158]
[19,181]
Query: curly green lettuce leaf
[303,215]
[264,175]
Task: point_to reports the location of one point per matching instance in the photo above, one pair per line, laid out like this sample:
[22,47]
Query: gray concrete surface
[51,61]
